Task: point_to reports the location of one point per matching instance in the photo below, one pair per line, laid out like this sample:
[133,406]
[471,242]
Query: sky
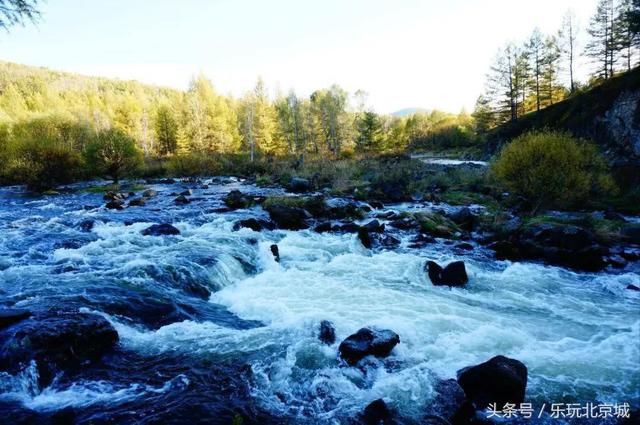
[433,54]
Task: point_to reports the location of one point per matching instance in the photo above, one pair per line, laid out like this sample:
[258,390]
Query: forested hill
[608,114]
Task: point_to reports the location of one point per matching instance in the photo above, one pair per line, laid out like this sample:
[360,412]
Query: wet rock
[421,240]
[299,185]
[9,316]
[289,218]
[386,241]
[160,230]
[69,244]
[367,341]
[465,246]
[405,223]
[56,340]
[254,224]
[377,413]
[465,218]
[374,226]
[149,193]
[364,237]
[632,287]
[181,200]
[276,252]
[115,205]
[187,192]
[327,332]
[323,227]
[499,380]
[167,181]
[86,225]
[237,200]
[563,245]
[138,202]
[505,250]
[454,274]
[616,261]
[631,232]
[450,404]
[347,228]
[377,205]
[115,196]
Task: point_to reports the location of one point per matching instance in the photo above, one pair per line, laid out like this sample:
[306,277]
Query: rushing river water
[183,355]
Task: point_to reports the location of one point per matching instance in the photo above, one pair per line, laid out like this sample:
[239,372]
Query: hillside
[608,114]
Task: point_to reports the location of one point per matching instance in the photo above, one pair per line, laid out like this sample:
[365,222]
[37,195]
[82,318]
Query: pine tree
[625,37]
[568,44]
[602,45]
[369,132]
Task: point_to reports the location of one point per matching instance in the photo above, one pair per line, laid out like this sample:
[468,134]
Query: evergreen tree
[13,12]
[369,132]
[535,48]
[602,45]
[568,44]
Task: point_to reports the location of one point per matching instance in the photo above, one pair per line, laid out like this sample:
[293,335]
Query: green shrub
[552,170]
[114,154]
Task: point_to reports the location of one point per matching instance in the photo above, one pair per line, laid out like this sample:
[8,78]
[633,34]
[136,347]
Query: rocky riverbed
[214,301]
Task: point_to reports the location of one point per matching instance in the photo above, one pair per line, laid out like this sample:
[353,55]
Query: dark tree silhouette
[13,12]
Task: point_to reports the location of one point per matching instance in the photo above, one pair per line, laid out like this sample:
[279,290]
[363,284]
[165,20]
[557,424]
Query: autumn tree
[166,129]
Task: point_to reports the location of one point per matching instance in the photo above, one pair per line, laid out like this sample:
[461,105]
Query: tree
[483,115]
[535,47]
[369,132]
[15,12]
[166,128]
[601,46]
[568,44]
[503,84]
[550,70]
[329,107]
[113,154]
[626,37]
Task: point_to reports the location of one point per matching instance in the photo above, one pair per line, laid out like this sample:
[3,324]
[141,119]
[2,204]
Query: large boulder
[299,185]
[237,200]
[450,405]
[160,230]
[116,204]
[563,245]
[366,342]
[464,218]
[56,340]
[377,413]
[454,274]
[631,232]
[365,238]
[289,218]
[9,316]
[499,380]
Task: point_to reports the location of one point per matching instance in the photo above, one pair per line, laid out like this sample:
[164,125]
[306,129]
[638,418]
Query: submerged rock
[149,193]
[9,316]
[181,200]
[499,380]
[254,224]
[367,341]
[327,333]
[365,238]
[138,202]
[86,225]
[56,340]
[160,230]
[115,205]
[323,227]
[454,274]
[289,218]
[377,413]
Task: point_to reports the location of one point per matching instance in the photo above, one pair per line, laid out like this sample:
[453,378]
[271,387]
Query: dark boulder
[631,232]
[254,224]
[376,205]
[464,246]
[377,413]
[505,250]
[181,200]
[187,192]
[405,223]
[115,196]
[299,185]
[499,380]
[323,227]
[365,238]
[276,252]
[160,230]
[237,200]
[421,240]
[56,340]
[117,204]
[450,404]
[149,193]
[9,316]
[385,241]
[327,333]
[563,245]
[454,274]
[347,228]
[367,341]
[374,226]
[289,218]
[86,225]
[138,202]
[465,219]
[632,287]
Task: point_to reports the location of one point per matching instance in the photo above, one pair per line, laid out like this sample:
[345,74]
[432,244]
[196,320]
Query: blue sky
[425,53]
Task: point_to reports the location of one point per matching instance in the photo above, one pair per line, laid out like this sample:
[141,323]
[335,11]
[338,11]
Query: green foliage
[552,169]
[113,154]
[369,132]
[166,130]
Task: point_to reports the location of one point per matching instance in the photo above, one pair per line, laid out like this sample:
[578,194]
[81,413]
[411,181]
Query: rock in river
[160,230]
[367,341]
[289,218]
[327,332]
[499,380]
[454,274]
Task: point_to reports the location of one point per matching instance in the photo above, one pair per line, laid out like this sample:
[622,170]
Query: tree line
[540,71]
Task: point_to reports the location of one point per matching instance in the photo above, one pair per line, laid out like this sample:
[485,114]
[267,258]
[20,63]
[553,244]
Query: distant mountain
[409,111]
